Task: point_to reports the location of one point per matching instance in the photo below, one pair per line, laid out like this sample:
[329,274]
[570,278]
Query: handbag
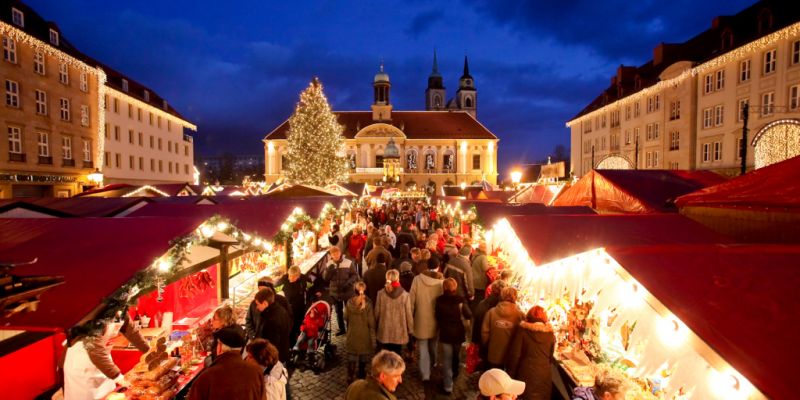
[473,357]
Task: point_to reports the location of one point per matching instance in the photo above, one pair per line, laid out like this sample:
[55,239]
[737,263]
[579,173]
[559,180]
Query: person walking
[393,314]
[354,246]
[480,312]
[499,326]
[459,268]
[480,264]
[293,285]
[360,318]
[214,382]
[386,374]
[425,289]
[379,245]
[341,275]
[450,308]
[274,323]
[264,355]
[375,278]
[531,353]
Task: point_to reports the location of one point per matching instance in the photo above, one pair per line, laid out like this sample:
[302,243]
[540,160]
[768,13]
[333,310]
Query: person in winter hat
[530,354]
[360,319]
[499,326]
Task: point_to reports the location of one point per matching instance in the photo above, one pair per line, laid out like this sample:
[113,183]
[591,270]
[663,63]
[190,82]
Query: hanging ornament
[160,286]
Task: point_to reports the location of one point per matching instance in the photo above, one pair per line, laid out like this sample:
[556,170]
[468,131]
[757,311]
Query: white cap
[495,382]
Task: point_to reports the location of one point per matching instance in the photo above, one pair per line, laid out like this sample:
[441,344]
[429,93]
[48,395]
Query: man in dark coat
[274,323]
[480,311]
[341,275]
[375,278]
[216,381]
[251,320]
[294,285]
[406,237]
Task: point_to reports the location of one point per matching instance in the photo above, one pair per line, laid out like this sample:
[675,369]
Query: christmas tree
[315,141]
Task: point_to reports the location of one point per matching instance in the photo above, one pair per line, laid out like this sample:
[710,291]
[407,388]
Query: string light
[145,188]
[777,141]
[753,48]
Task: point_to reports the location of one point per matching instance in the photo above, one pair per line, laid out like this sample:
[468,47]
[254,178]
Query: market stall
[664,303]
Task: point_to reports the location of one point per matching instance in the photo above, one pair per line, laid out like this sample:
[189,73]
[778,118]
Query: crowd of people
[405,285]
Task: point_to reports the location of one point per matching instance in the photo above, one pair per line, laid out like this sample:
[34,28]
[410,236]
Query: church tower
[381,106]
[435,94]
[467,95]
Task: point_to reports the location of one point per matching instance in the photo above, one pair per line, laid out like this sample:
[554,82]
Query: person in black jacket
[341,275]
[251,320]
[405,236]
[294,285]
[449,309]
[274,323]
[375,278]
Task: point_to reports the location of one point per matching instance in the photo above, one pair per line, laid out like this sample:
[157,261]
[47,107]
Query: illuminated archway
[614,161]
[777,141]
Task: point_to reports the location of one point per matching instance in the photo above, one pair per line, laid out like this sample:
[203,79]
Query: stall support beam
[223,274]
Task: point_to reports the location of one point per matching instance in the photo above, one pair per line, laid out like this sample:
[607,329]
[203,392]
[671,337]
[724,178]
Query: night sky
[236,68]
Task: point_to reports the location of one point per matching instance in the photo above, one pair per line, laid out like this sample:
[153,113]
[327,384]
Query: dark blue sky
[236,68]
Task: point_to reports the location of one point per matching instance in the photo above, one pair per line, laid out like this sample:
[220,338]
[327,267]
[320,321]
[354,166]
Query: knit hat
[465,250]
[405,266]
[495,382]
[231,336]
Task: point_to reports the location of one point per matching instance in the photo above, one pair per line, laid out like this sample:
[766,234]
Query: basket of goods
[154,377]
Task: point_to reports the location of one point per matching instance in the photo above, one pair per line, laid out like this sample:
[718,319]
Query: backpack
[275,387]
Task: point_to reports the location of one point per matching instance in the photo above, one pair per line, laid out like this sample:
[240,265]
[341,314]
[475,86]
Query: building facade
[438,146]
[67,117]
[51,116]
[684,109]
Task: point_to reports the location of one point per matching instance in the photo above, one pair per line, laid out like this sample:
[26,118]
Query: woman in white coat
[89,371]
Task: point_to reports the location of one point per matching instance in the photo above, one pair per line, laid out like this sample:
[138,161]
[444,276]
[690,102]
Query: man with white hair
[387,374]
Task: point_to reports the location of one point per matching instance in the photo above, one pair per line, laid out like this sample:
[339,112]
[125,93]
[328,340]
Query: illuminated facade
[683,108]
[435,146]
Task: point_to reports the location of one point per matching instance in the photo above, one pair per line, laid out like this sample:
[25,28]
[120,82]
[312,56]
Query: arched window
[727,39]
[449,161]
[437,101]
[430,160]
[468,102]
[411,159]
[351,159]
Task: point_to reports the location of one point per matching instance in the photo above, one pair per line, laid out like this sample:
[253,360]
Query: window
[674,165]
[636,109]
[186,150]
[41,102]
[159,122]
[141,163]
[767,103]
[706,152]
[146,95]
[108,131]
[739,148]
[118,160]
[655,159]
[627,113]
[152,165]
[116,105]
[674,110]
[657,102]
[627,137]
[9,50]
[795,52]
[650,104]
[674,140]
[12,93]
[648,159]
[131,162]
[169,146]
[169,126]
[116,133]
[160,165]
[794,97]
[159,143]
[744,71]
[44,144]
[66,147]
[707,114]
[378,161]
[169,166]
[14,140]
[151,141]
[151,118]
[53,37]
[717,151]
[139,114]
[709,86]
[476,161]
[63,73]
[84,115]
[107,159]
[603,121]
[718,115]
[84,82]
[17,17]
[740,114]
[130,111]
[141,139]
[64,107]
[38,62]
[186,169]
[769,61]
[124,85]
[649,132]
[87,150]
[720,79]
[636,134]
[130,136]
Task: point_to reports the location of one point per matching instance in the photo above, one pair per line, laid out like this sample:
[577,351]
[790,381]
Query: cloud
[423,22]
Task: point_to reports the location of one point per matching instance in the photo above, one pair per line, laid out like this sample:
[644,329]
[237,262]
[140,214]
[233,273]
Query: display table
[313,263]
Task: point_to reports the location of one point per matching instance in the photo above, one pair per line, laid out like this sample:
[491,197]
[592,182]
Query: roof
[360,189]
[414,124]
[87,206]
[39,28]
[634,191]
[490,213]
[740,300]
[700,48]
[549,238]
[10,209]
[122,189]
[536,193]
[773,187]
[94,255]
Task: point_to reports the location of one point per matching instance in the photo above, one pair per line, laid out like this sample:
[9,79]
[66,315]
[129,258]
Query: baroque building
[67,117]
[685,108]
[443,145]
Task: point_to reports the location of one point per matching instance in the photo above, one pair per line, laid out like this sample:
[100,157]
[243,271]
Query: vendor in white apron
[89,371]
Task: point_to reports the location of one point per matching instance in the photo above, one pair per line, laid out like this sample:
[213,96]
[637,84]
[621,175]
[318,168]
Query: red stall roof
[94,255]
[490,213]
[549,238]
[774,186]
[741,300]
[634,191]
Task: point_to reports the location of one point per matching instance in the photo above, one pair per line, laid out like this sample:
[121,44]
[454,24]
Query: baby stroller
[314,341]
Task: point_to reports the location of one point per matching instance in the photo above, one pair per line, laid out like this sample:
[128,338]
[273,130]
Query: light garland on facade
[44,47]
[151,108]
[100,146]
[777,141]
[790,32]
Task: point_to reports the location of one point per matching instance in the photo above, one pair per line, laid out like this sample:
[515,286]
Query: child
[360,332]
[312,323]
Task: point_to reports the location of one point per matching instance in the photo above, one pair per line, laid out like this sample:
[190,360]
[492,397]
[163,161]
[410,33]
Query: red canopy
[552,237]
[740,300]
[490,213]
[94,255]
[634,191]
[775,186]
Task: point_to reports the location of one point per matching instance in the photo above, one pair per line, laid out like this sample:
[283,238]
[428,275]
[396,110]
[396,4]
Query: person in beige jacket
[499,326]
[425,288]
[393,314]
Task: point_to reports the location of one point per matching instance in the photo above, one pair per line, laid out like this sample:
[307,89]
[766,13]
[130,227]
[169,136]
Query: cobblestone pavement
[332,382]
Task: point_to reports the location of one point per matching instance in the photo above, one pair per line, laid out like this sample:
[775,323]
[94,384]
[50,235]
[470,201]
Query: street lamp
[96,177]
[516,177]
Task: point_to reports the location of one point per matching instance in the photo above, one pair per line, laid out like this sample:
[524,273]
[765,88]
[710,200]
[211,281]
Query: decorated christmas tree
[315,141]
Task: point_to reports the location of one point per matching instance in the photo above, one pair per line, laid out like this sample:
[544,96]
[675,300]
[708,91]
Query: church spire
[435,71]
[466,69]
